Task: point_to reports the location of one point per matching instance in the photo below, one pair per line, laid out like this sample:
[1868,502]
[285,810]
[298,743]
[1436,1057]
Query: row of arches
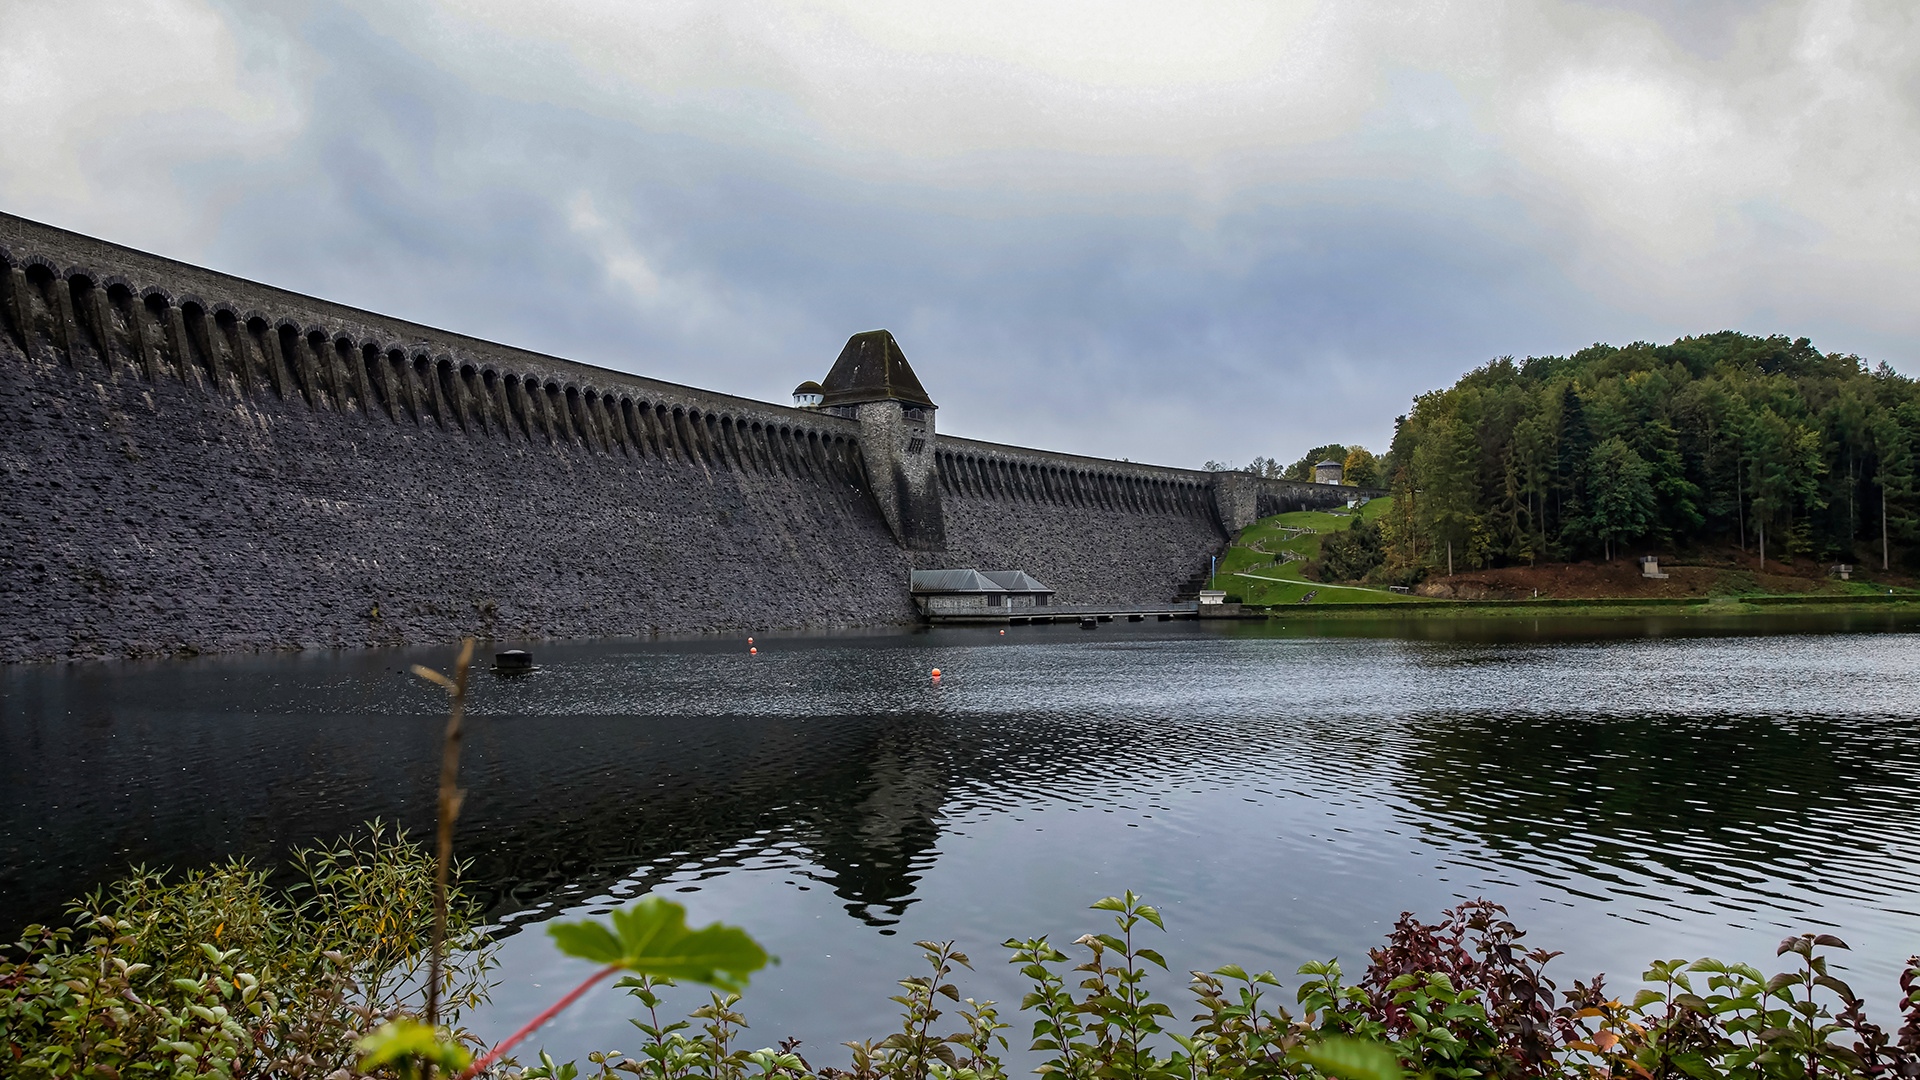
[997,477]
[87,320]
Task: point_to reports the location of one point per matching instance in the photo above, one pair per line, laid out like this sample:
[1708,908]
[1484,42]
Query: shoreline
[1575,606]
[1412,610]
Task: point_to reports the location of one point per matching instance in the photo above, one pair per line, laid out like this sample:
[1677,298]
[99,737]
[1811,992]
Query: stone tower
[872,383]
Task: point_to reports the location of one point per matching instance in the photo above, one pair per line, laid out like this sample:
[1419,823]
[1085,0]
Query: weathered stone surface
[194,462]
[1097,531]
[153,519]
[897,443]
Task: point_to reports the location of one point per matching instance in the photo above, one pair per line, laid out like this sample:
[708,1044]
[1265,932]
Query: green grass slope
[1256,569]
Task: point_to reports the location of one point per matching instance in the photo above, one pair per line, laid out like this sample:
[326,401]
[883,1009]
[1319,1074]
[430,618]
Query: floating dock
[1027,616]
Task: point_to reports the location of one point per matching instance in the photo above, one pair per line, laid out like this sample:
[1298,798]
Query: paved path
[1313,584]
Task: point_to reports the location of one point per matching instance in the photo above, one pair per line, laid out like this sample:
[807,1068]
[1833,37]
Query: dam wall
[1057,516]
[194,462]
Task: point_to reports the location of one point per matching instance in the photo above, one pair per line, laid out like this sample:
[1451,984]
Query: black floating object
[513,662]
[1088,622]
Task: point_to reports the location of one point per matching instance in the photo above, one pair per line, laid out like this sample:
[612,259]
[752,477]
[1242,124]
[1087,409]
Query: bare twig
[450,798]
[552,1011]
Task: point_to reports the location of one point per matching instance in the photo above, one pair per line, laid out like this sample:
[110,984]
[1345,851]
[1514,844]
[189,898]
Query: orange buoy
[1003,633]
[753,652]
[749,641]
[936,673]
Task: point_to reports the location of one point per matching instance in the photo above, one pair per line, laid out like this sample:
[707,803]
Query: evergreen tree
[1448,506]
[1893,434]
[1621,485]
[1677,497]
[1575,442]
[1787,467]
[1848,423]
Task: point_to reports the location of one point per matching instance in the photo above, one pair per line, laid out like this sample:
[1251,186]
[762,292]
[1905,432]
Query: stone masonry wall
[194,462]
[1240,499]
[156,518]
[1099,532]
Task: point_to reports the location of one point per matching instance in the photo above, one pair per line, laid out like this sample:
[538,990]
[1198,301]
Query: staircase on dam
[1190,591]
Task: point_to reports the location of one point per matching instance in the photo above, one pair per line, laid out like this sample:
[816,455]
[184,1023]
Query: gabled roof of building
[872,368]
[1014,581]
[948,581]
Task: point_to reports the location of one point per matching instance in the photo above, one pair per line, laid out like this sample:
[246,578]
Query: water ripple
[1682,791]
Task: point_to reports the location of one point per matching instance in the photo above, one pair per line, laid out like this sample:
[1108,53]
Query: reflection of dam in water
[857,798]
[184,764]
[556,808]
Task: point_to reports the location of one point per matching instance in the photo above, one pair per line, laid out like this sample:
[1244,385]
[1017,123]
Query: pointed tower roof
[872,368]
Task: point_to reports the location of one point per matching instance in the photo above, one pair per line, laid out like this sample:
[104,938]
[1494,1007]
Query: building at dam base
[193,462]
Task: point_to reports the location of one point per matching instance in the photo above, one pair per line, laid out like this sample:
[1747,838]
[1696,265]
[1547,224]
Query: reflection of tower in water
[852,803]
[876,848]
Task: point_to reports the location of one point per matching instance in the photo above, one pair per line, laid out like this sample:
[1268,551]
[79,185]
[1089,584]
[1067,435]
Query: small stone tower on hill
[871,382]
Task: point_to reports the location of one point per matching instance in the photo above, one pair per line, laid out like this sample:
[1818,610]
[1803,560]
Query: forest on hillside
[1727,438]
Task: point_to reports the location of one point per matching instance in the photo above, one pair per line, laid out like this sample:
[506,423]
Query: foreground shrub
[1460,999]
[226,973]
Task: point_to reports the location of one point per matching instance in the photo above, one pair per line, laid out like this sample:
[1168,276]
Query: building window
[916,444]
[993,599]
[1040,601]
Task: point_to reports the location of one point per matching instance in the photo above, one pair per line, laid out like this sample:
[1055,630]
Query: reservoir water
[1630,789]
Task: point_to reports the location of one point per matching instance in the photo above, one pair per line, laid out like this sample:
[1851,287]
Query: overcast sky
[1166,231]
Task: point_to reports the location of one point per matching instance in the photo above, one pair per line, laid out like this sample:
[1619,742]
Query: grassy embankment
[1256,568]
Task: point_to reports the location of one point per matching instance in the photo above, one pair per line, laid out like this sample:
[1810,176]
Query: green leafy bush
[1461,999]
[1351,553]
[222,973]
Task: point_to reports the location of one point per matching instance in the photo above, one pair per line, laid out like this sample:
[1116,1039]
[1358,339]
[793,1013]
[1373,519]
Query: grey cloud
[1316,312]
